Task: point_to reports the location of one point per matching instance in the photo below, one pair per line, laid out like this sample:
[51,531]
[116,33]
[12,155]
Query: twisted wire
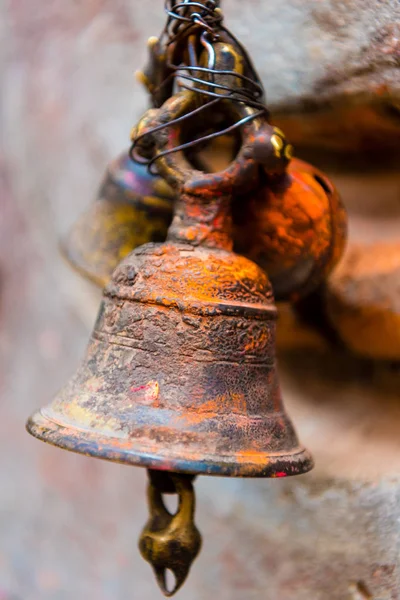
[195,24]
[186,15]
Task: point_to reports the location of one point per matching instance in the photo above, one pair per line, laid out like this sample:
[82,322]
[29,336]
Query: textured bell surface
[294,228]
[133,207]
[180,372]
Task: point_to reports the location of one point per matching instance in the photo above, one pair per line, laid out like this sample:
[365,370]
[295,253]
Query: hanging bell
[133,207]
[180,373]
[294,227]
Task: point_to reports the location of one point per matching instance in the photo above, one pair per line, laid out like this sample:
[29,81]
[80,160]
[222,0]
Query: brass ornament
[170,542]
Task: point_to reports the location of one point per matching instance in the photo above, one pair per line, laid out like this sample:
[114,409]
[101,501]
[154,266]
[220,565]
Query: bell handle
[186,499]
[157,507]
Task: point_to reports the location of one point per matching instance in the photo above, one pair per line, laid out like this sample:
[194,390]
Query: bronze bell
[294,227]
[132,207]
[180,372]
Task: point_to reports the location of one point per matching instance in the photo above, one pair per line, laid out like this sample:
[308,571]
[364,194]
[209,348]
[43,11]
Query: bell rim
[263,465]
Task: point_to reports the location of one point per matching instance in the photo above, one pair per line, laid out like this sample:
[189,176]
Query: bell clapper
[170,542]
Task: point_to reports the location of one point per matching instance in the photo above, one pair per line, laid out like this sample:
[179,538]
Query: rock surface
[363,300]
[335,63]
[315,51]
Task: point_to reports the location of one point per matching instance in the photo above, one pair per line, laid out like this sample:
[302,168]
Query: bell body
[133,207]
[294,228]
[180,373]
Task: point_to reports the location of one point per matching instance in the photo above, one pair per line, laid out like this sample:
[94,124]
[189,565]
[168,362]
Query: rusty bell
[180,372]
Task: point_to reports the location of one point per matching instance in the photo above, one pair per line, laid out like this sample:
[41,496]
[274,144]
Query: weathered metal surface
[196,388]
[180,373]
[295,229]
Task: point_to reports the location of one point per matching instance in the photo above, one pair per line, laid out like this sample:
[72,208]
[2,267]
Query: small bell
[133,207]
[294,227]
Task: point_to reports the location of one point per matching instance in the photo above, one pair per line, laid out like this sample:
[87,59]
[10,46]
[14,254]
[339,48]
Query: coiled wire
[200,23]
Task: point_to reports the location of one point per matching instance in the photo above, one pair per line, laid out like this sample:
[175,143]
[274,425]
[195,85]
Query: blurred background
[69,525]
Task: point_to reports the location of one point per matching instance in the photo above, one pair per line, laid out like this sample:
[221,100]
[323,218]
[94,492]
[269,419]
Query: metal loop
[170,542]
[204,138]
